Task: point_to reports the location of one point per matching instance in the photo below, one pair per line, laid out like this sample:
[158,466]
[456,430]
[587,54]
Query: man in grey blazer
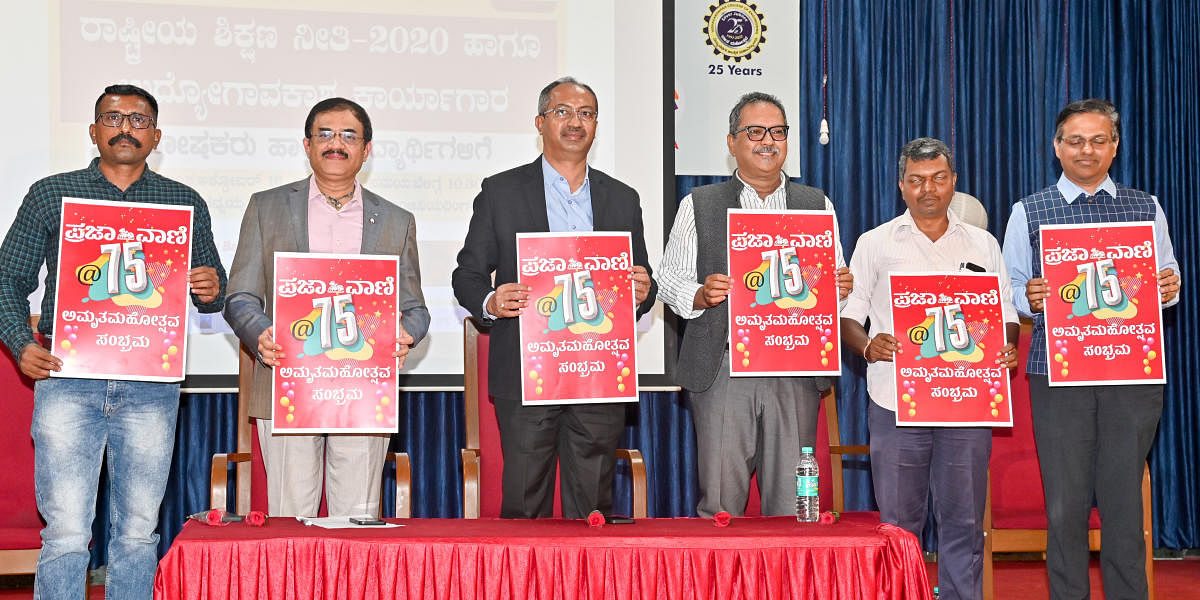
[327,212]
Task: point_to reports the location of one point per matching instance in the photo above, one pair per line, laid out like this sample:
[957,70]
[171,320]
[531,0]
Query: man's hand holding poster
[783,300]
[122,296]
[336,318]
[578,336]
[1103,314]
[950,326]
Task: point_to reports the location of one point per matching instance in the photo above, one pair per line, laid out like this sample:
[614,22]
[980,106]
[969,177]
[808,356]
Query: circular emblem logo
[735,30]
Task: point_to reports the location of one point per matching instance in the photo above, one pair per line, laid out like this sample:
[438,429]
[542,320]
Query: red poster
[335,316]
[1104,313]
[950,327]
[783,302]
[122,298]
[579,334]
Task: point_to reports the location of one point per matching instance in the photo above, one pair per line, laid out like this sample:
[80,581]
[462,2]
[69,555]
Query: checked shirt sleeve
[21,257]
[204,254]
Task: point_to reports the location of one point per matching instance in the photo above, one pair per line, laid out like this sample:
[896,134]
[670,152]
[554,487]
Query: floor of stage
[1174,579]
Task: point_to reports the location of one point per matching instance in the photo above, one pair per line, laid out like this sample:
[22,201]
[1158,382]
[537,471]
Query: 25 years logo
[735,30]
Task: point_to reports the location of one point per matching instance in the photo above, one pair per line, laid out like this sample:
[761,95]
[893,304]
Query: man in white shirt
[743,424]
[907,463]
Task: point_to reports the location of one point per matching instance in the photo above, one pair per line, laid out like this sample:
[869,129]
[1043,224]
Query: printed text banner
[122,297]
[578,332]
[1104,312]
[783,300]
[950,327]
[335,316]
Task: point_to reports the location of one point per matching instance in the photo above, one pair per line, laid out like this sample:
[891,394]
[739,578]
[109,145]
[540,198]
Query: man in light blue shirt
[1091,440]
[567,211]
[558,192]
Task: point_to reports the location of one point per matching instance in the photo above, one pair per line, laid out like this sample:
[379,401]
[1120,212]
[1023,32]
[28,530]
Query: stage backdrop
[987,77]
[723,50]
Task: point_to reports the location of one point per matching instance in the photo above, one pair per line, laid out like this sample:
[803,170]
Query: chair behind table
[483,462]
[20,524]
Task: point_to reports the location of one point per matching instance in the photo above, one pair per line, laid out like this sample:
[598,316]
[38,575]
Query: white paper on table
[342,523]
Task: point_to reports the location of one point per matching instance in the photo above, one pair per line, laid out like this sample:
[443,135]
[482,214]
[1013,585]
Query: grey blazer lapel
[297,206]
[372,224]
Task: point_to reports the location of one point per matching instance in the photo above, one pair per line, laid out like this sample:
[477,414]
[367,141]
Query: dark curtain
[432,432]
[658,425]
[987,77]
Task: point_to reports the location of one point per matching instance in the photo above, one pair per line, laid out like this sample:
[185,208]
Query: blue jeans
[74,421]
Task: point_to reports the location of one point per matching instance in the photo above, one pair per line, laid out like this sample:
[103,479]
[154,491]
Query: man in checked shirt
[74,419]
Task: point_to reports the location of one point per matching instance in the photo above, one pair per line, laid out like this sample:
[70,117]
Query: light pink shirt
[331,230]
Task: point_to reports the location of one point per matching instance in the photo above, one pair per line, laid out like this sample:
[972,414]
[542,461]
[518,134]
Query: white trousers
[350,465]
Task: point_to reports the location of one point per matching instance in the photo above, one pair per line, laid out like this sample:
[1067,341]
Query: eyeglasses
[756,133]
[919,181]
[114,119]
[326,136]
[1077,142]
[565,113]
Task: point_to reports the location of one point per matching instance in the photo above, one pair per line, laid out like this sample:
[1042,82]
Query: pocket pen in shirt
[970,266]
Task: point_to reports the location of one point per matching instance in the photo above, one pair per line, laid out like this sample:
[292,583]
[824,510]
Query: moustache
[771,149]
[116,139]
[335,153]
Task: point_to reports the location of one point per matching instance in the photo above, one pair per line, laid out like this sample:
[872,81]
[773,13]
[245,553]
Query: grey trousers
[907,463]
[349,466]
[1093,441]
[752,424]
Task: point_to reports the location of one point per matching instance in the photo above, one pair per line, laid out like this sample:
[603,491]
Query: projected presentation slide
[451,89]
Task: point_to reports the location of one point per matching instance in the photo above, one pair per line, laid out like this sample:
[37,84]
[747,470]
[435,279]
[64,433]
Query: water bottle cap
[807,449]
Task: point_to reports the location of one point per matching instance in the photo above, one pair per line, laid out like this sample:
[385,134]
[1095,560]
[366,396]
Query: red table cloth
[449,559]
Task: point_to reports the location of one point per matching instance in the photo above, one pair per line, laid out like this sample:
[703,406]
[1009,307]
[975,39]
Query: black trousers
[534,439]
[1092,441]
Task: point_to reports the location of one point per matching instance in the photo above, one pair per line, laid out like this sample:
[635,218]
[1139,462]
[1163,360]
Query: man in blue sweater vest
[1090,439]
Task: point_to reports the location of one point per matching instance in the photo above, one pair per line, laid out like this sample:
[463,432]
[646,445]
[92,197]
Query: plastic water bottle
[808,509]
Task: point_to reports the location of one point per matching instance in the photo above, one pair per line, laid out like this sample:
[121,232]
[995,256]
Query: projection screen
[451,88]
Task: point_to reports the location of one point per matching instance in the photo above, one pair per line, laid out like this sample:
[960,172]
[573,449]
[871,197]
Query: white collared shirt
[899,246]
[676,274]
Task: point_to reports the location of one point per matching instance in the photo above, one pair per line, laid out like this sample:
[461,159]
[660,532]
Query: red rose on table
[722,519]
[595,518]
[214,517]
[256,518]
[829,517]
